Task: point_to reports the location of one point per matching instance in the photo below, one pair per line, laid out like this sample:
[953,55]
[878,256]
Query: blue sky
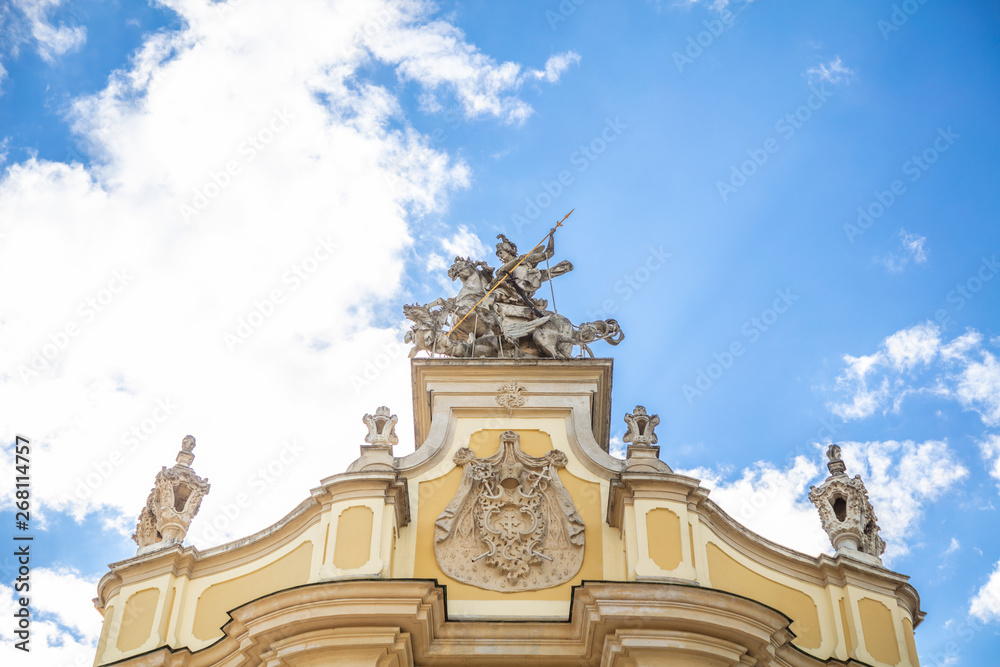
[808,184]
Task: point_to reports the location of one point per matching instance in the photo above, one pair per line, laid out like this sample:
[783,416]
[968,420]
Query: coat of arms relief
[512,525]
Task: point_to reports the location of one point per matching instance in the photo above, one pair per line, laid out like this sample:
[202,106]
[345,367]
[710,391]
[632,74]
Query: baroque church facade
[510,535]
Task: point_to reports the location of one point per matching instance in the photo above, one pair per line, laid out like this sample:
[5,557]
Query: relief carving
[509,396]
[512,525]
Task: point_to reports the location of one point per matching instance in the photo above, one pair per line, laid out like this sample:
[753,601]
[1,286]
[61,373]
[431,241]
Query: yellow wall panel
[663,530]
[880,635]
[137,620]
[217,600]
[911,646]
[729,575]
[354,537]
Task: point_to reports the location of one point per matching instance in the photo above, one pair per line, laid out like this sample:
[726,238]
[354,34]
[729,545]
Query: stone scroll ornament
[512,525]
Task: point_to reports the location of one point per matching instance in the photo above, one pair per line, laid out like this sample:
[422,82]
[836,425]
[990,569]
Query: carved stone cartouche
[512,526]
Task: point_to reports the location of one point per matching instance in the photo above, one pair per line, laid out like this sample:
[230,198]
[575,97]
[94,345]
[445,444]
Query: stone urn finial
[172,503]
[376,453]
[846,513]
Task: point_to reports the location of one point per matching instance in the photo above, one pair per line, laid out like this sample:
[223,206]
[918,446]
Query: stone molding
[543,378]
[404,622]
[823,570]
[192,562]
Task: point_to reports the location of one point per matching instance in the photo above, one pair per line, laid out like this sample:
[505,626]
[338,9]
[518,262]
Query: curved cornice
[822,570]
[192,562]
[408,617]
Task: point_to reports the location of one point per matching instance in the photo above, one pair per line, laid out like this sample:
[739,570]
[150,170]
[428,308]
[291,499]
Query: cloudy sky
[212,212]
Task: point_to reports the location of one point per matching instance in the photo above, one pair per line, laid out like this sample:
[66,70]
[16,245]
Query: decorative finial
[643,454]
[381,428]
[641,427]
[172,503]
[846,513]
[185,457]
[836,465]
[376,453]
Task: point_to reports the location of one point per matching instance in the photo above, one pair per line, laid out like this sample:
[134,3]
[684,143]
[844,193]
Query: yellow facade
[350,576]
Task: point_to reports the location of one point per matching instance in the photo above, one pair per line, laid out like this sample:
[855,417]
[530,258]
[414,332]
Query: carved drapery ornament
[512,525]
[847,515]
[172,503]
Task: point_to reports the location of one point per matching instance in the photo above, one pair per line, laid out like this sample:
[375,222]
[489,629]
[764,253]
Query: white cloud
[258,117]
[436,55]
[65,627]
[912,347]
[616,447]
[555,66]
[911,249]
[833,72]
[771,502]
[464,243]
[985,605]
[721,6]
[979,388]
[990,449]
[51,41]
[917,360]
[901,477]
